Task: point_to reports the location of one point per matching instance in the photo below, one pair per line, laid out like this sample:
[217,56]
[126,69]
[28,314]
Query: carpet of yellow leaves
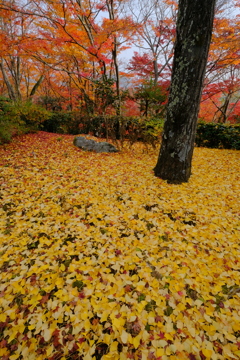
[99,259]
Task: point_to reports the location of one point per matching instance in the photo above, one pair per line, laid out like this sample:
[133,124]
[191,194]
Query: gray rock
[91,145]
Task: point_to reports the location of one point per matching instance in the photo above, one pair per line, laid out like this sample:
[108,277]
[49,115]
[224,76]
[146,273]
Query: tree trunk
[115,60]
[155,67]
[222,118]
[11,92]
[36,86]
[194,29]
[110,7]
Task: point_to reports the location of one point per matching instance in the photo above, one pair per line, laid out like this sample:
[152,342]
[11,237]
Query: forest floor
[99,259]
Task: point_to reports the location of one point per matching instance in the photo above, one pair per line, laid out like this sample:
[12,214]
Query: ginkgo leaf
[207,353]
[47,334]
[14,357]
[49,351]
[104,316]
[3,317]
[136,341]
[124,336]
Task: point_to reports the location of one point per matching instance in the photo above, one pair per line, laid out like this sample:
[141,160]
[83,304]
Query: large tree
[194,30]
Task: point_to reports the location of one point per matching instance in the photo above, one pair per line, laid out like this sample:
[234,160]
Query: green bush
[64,122]
[51,103]
[9,125]
[28,114]
[57,122]
[219,136]
[19,118]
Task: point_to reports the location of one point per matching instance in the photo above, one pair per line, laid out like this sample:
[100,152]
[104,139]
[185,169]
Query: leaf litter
[102,260]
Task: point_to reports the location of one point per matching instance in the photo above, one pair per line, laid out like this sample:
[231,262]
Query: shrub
[9,125]
[18,118]
[147,130]
[152,130]
[64,122]
[219,136]
[28,115]
[57,122]
[51,103]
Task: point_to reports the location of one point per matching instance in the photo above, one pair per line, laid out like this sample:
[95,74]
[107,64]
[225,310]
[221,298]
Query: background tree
[21,75]
[59,49]
[81,38]
[156,33]
[152,99]
[194,30]
[221,86]
[220,99]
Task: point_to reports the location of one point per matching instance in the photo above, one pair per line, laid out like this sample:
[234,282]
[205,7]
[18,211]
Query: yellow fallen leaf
[113,356]
[49,350]
[47,334]
[237,353]
[206,317]
[207,353]
[192,331]
[4,352]
[132,318]
[231,337]
[14,357]
[118,323]
[227,351]
[236,326]
[13,334]
[160,352]
[3,317]
[124,337]
[114,346]
[123,356]
[104,316]
[169,327]
[88,357]
[84,315]
[136,341]
[87,325]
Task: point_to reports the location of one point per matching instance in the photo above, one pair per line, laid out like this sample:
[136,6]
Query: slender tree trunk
[156,73]
[10,88]
[115,60]
[222,118]
[17,77]
[110,7]
[194,29]
[36,86]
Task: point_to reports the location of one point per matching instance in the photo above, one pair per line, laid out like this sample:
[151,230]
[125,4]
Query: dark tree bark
[194,30]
